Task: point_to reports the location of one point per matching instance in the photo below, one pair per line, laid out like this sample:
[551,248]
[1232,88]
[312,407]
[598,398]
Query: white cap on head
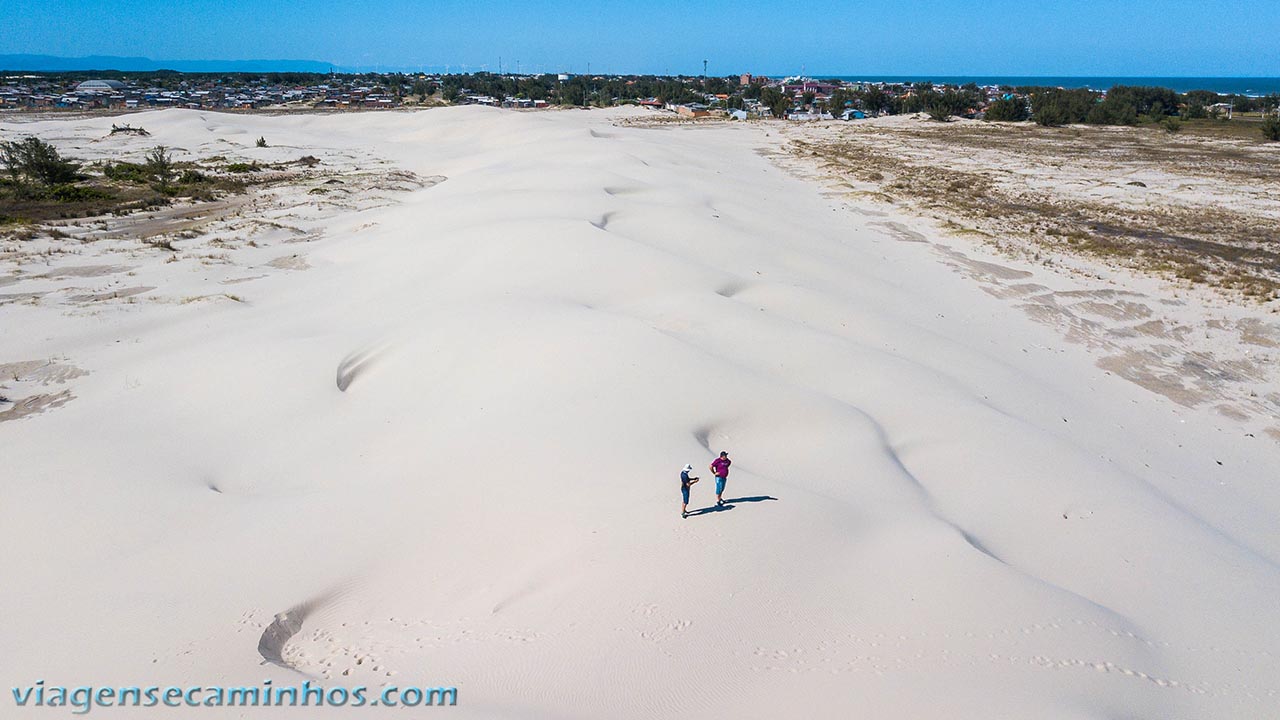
[687,468]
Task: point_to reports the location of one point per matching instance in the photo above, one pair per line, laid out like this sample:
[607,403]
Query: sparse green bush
[262,142]
[73,193]
[192,177]
[1171,124]
[938,110]
[243,167]
[1271,127]
[126,172]
[941,106]
[160,166]
[148,203]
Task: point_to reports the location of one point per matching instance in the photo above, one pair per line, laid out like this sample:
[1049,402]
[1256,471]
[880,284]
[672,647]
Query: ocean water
[1222,85]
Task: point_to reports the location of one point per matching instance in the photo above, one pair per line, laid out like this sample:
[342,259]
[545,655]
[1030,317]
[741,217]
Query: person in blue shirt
[686,480]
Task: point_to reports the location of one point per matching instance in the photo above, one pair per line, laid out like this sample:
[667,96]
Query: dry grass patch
[1204,211]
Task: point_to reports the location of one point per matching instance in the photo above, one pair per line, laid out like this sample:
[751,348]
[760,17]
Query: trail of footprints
[881,654]
[327,654]
[374,647]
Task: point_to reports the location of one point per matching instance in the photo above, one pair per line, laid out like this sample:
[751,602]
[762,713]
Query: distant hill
[50,63]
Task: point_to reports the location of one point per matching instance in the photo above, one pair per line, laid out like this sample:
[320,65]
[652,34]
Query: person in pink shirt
[720,468]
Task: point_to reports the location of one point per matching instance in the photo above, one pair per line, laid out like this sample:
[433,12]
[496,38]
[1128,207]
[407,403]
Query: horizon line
[472,69]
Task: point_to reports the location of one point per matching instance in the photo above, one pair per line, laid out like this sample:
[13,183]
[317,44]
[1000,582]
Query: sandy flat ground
[427,430]
[1170,239]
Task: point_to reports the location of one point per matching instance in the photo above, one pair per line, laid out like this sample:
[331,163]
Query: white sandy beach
[945,508]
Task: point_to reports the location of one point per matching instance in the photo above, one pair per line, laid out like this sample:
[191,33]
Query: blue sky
[938,37]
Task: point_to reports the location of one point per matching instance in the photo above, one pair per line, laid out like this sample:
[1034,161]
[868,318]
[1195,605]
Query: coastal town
[739,97]
[154,90]
[698,97]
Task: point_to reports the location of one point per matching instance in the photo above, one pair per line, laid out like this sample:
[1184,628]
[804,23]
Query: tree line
[1122,105]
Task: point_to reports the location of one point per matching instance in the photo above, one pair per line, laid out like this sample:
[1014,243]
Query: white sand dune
[455,439]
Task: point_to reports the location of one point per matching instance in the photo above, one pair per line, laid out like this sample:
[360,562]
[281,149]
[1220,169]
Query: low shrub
[74,193]
[126,172]
[1271,127]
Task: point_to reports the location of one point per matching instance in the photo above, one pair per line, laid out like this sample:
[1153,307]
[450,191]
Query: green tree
[1244,103]
[532,88]
[11,158]
[1271,127]
[875,100]
[396,83]
[160,166]
[1010,109]
[1055,106]
[937,108]
[941,106]
[573,93]
[1202,97]
[776,100]
[37,160]
[838,100]
[1156,102]
[1112,111]
[1049,112]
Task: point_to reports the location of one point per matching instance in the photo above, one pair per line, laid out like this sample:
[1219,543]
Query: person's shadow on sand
[729,504]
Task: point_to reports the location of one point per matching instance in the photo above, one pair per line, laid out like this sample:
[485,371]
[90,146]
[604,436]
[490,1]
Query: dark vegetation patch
[38,184]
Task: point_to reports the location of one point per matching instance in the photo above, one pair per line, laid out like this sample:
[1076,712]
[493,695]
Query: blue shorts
[720,484]
[684,493]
